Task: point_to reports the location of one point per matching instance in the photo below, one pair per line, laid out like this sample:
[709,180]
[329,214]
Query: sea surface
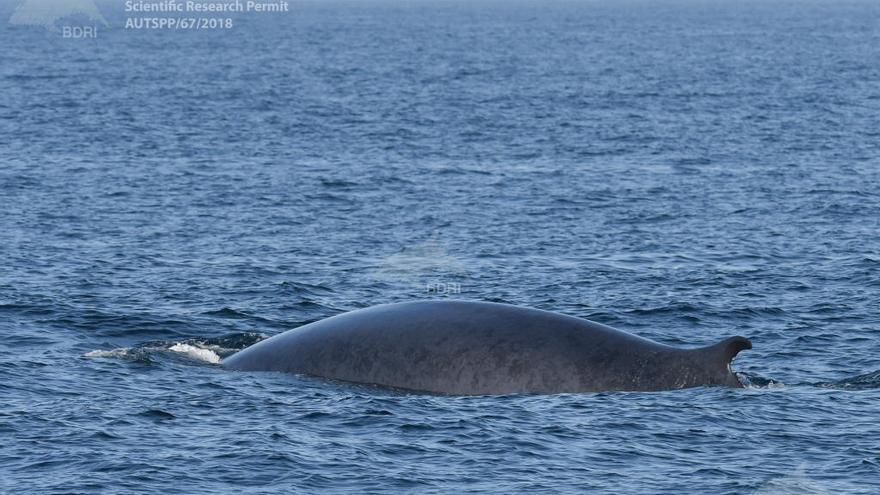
[685,171]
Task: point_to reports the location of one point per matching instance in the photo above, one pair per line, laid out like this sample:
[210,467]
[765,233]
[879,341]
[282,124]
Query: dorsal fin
[730,347]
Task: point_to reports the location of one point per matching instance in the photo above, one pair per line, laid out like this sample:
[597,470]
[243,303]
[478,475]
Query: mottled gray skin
[477,348]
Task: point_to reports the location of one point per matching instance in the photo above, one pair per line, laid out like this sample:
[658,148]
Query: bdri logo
[48,13]
[795,483]
[427,264]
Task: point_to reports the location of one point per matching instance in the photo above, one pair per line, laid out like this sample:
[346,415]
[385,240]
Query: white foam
[747,382]
[196,353]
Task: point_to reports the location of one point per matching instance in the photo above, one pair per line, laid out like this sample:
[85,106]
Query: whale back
[475,348]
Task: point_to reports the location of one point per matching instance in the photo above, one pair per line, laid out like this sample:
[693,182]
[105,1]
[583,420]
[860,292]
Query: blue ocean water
[682,170]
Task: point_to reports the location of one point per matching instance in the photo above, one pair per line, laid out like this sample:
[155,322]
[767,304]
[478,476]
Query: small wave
[861,382]
[674,308]
[337,183]
[304,288]
[122,352]
[226,312]
[751,380]
[157,415]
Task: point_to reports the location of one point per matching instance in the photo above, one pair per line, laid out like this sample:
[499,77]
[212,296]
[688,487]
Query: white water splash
[197,353]
[756,382]
[205,355]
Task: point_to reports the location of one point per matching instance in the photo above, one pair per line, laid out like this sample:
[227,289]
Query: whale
[454,347]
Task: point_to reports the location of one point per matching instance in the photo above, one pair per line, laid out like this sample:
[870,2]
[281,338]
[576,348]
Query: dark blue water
[683,171]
